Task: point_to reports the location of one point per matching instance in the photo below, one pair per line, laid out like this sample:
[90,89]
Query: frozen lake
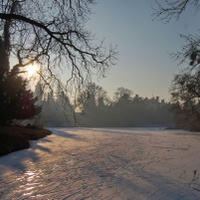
[105,163]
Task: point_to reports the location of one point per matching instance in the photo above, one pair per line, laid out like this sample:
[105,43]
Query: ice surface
[105,163]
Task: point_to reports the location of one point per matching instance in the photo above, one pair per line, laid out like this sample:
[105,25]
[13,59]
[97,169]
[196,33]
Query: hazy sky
[144,45]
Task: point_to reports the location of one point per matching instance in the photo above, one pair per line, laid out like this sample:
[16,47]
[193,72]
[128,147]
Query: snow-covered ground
[102,163]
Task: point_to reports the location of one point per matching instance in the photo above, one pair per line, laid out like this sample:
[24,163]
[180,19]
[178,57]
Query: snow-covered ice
[105,163]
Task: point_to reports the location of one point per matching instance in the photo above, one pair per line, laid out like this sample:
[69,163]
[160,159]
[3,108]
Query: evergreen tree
[16,102]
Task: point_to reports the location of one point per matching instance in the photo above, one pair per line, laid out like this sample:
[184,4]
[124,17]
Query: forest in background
[94,108]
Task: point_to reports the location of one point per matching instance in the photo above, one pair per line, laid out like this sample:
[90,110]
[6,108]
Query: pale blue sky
[144,63]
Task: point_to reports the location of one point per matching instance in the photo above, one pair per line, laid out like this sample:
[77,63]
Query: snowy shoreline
[105,163]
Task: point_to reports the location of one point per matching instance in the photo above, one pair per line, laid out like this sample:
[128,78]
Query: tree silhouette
[123,94]
[185,86]
[16,102]
[169,9]
[53,34]
[125,110]
[185,94]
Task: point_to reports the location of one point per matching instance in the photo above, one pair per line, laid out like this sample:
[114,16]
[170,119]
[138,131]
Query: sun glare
[32,69]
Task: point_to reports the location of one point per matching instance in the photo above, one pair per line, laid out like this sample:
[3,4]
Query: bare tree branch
[169,9]
[54,35]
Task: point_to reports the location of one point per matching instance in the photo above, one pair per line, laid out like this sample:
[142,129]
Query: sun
[32,69]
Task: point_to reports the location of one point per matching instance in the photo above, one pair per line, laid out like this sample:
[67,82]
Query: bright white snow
[102,163]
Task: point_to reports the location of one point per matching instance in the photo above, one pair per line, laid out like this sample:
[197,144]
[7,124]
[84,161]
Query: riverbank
[13,138]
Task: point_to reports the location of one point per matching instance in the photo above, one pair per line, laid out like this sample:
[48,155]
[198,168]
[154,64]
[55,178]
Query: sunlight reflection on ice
[29,183]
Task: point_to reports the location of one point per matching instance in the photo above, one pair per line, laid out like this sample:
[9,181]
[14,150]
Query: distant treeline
[124,110]
[95,109]
[127,112]
[56,109]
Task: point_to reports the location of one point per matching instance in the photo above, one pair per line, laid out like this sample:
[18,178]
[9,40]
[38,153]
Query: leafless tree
[190,52]
[186,85]
[52,33]
[168,9]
